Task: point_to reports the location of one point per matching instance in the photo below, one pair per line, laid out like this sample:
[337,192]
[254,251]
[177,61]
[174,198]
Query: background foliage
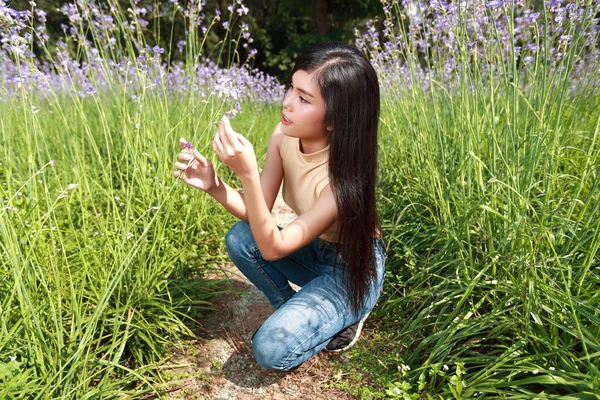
[489,191]
[281,28]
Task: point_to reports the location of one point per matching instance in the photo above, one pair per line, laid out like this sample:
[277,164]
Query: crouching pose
[324,151]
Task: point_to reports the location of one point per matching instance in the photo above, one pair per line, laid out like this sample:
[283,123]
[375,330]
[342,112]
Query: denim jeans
[304,322]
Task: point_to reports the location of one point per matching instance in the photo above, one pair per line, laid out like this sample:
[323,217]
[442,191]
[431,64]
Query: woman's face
[304,110]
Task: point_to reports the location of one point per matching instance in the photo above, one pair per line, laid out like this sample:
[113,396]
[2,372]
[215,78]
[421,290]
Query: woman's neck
[309,146]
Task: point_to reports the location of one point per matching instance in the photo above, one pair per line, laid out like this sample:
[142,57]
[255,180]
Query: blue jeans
[304,322]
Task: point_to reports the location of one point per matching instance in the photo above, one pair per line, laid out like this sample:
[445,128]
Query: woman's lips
[285,120]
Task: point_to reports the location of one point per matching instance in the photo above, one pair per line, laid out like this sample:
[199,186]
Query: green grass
[490,204]
[492,286]
[103,255]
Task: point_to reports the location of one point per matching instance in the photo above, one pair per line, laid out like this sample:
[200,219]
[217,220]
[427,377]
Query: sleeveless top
[304,177]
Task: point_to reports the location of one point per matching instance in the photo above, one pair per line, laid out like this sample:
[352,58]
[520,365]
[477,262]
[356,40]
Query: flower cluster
[75,64]
[425,41]
[14,37]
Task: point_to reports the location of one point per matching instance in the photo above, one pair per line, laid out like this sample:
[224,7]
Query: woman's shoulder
[278,138]
[277,133]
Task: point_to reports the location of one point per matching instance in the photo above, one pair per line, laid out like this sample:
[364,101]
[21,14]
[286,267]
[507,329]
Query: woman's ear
[329,128]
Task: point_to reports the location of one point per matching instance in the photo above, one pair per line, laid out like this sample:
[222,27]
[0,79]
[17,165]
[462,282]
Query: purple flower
[70,10]
[566,38]
[89,89]
[494,4]
[531,18]
[41,16]
[439,4]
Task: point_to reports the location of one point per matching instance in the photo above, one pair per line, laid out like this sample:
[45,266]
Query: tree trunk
[320,16]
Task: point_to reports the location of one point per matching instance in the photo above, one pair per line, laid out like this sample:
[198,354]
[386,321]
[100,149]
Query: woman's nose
[286,103]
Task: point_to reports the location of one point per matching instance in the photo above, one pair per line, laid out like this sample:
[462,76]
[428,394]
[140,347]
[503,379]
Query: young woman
[324,151]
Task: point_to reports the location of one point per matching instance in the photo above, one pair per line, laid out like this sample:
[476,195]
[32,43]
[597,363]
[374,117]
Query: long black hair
[350,87]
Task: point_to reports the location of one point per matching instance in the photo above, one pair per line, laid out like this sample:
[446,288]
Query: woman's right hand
[195,170]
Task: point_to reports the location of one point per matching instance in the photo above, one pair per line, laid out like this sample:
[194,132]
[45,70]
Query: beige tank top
[304,177]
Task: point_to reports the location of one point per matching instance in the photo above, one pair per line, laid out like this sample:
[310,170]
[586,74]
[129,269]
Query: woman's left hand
[234,150]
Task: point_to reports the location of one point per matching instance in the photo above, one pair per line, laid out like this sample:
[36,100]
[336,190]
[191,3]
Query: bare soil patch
[218,364]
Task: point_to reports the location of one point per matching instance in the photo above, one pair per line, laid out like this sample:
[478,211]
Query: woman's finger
[218,145]
[181,166]
[181,175]
[243,140]
[184,156]
[228,145]
[200,158]
[230,134]
[185,145]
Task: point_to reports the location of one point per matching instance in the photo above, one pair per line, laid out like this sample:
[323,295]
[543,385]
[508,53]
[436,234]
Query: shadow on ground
[218,363]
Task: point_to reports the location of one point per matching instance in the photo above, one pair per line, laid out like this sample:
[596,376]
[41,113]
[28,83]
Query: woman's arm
[237,153]
[274,243]
[200,174]
[270,181]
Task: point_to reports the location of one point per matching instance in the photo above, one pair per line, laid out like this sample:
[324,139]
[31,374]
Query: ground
[219,364]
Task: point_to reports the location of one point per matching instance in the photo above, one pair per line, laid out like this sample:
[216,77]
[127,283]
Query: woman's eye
[302,99]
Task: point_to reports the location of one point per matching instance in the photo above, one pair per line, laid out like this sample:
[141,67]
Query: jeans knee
[267,356]
[236,240]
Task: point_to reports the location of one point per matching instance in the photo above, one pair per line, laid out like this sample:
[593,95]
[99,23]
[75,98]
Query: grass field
[489,201]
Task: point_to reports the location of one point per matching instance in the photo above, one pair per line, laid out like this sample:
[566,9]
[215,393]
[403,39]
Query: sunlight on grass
[490,131]
[489,196]
[102,252]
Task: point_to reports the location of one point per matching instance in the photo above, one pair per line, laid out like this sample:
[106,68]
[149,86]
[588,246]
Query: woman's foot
[346,338]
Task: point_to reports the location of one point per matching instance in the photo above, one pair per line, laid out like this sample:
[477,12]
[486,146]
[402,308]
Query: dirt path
[220,365]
